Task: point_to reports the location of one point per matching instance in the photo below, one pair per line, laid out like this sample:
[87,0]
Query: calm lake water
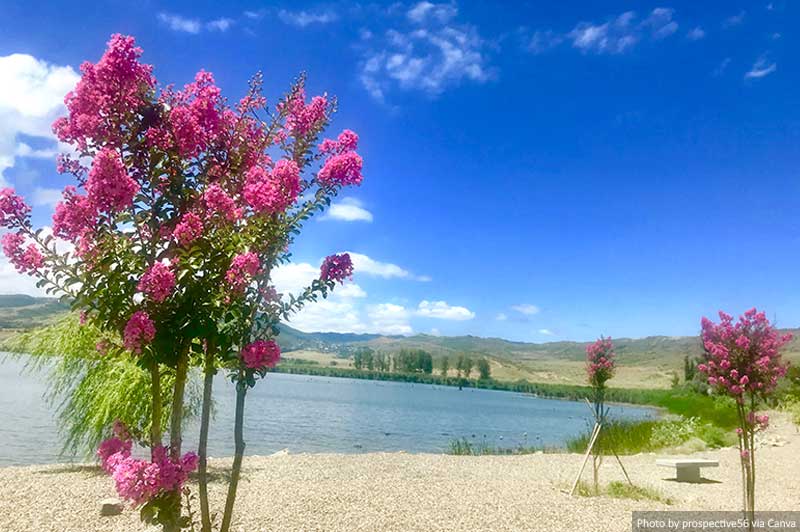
[324,414]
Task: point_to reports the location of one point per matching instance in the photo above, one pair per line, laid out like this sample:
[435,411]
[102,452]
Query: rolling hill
[643,362]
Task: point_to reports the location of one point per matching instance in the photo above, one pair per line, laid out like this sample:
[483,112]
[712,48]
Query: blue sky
[535,172]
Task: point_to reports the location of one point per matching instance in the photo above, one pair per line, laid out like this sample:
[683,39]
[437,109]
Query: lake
[324,414]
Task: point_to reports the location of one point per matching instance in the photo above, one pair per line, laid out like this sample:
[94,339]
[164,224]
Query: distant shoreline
[570,392]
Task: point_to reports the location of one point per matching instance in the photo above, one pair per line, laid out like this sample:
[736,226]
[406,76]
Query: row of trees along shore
[419,361]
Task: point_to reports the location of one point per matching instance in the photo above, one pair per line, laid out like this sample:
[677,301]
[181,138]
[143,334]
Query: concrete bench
[687,469]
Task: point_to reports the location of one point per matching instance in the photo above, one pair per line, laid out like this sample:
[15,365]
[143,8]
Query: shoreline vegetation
[680,401]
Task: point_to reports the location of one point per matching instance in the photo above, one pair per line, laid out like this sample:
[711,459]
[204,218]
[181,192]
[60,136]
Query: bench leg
[688,474]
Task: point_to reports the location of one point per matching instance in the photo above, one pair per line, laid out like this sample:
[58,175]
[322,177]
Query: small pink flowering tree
[743,361]
[182,207]
[600,367]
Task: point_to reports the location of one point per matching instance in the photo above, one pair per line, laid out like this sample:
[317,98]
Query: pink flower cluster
[600,361]
[158,282]
[189,229]
[218,202]
[14,212]
[105,95]
[109,186]
[196,118]
[742,357]
[336,268]
[139,331]
[74,217]
[261,354]
[302,119]
[272,192]
[242,270]
[343,166]
[140,481]
[25,259]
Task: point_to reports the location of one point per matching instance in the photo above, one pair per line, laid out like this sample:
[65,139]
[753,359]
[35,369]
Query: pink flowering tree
[600,367]
[181,208]
[743,361]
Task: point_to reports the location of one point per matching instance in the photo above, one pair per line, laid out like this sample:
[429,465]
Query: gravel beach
[411,492]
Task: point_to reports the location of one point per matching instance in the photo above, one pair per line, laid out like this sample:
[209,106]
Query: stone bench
[687,469]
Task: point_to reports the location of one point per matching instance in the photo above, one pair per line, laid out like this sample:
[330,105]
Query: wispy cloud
[614,35]
[735,20]
[220,24]
[426,11]
[621,33]
[761,68]
[194,26]
[348,210]
[429,53]
[546,332]
[46,196]
[695,34]
[722,67]
[526,309]
[179,23]
[363,264]
[255,15]
[302,19]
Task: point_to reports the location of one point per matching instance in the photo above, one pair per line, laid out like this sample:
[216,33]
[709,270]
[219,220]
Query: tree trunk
[202,449]
[155,390]
[241,392]
[176,420]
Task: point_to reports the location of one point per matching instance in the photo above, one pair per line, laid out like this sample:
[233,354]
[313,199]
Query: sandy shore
[406,492]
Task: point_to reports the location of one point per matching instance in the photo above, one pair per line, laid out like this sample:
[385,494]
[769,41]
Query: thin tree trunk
[202,449]
[176,420]
[155,389]
[241,392]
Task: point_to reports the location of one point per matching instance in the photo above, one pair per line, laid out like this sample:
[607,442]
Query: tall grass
[632,437]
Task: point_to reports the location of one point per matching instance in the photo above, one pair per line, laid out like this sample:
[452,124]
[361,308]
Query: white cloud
[527,309]
[695,34]
[761,68]
[501,317]
[348,210]
[349,290]
[180,24]
[426,11]
[546,332]
[31,98]
[13,282]
[220,24]
[24,150]
[434,53]
[441,310]
[46,196]
[301,19]
[328,315]
[362,264]
[388,318]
